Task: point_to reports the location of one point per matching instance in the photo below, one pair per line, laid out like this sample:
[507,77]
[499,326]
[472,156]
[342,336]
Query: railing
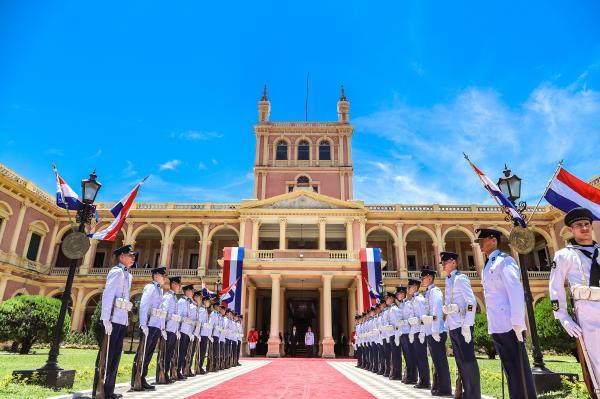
[61,271]
[99,271]
[171,205]
[390,274]
[535,275]
[381,208]
[213,273]
[338,254]
[446,208]
[263,254]
[303,124]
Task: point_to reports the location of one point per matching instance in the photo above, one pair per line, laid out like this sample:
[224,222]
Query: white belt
[176,318]
[122,303]
[387,328]
[427,320]
[158,313]
[187,320]
[586,293]
[451,308]
[413,321]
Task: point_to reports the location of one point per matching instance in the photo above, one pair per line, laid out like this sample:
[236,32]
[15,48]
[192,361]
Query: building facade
[302,231]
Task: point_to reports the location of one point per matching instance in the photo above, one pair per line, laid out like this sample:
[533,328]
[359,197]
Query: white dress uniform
[183,310]
[433,320]
[419,306]
[150,312]
[435,330]
[572,264]
[205,330]
[459,292]
[503,292]
[169,304]
[115,298]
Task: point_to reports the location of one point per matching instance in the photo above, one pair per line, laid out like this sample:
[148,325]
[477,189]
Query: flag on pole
[233,261]
[228,294]
[205,290]
[370,267]
[120,211]
[495,192]
[567,192]
[66,198]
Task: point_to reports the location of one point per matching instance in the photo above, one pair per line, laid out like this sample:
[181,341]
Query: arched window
[325,151]
[281,154]
[303,181]
[303,151]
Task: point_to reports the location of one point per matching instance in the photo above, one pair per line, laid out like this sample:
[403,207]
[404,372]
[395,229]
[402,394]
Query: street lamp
[218,285]
[382,289]
[75,245]
[545,380]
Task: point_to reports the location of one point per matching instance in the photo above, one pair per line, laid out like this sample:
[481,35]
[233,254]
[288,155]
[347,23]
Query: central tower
[312,156]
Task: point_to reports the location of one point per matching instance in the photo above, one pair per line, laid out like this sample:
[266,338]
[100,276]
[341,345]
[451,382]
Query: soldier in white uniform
[460,306]
[152,321]
[380,365]
[213,323]
[579,264]
[371,349]
[186,327]
[169,305]
[435,332]
[387,332]
[188,370]
[115,308]
[505,303]
[203,330]
[395,318]
[240,337]
[408,351]
[419,309]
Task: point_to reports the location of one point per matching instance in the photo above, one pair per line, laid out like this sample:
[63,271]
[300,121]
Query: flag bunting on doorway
[370,267]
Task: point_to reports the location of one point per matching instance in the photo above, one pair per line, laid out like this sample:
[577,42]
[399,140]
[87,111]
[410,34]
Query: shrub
[552,335]
[30,319]
[80,340]
[96,326]
[482,340]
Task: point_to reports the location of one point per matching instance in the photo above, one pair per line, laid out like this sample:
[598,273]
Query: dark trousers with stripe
[466,363]
[215,352]
[513,356]
[202,349]
[408,351]
[151,340]
[440,362]
[420,350]
[184,343]
[387,353]
[169,353]
[396,356]
[113,357]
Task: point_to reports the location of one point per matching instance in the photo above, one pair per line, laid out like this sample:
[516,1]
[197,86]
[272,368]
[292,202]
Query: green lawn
[83,360]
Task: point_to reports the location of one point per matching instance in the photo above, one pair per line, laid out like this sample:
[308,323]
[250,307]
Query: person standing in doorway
[309,341]
[293,341]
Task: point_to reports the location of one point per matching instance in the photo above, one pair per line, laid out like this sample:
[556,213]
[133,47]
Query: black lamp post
[545,380]
[52,374]
[218,285]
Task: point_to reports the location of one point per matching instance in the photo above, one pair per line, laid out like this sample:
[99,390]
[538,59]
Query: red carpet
[289,379]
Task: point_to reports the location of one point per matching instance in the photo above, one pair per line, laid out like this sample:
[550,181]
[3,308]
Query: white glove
[397,340]
[107,326]
[519,332]
[411,338]
[572,328]
[178,335]
[422,337]
[144,330]
[164,334]
[210,338]
[466,333]
[436,336]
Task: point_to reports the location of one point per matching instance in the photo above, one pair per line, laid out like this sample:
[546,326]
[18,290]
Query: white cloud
[214,162]
[421,148]
[170,165]
[197,135]
[201,166]
[158,189]
[129,171]
[96,154]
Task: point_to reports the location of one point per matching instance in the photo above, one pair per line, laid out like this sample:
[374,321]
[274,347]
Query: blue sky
[171,89]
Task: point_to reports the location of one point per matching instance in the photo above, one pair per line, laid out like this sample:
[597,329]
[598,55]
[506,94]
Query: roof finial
[264,97]
[343,96]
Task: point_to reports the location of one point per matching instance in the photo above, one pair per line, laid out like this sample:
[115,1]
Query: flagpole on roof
[558,167]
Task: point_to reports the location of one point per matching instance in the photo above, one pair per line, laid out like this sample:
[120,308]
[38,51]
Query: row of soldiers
[407,322]
[187,330]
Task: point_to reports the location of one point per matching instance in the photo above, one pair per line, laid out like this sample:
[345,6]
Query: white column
[281,318]
[400,247]
[327,342]
[358,285]
[282,233]
[255,231]
[165,248]
[478,257]
[3,282]
[242,232]
[351,311]
[17,230]
[251,316]
[349,238]
[273,342]
[88,260]
[52,246]
[363,232]
[322,233]
[204,250]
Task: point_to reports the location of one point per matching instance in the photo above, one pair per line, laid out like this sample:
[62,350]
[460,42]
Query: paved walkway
[281,378]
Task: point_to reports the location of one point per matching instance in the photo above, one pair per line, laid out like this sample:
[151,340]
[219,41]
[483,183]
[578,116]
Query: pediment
[301,200]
